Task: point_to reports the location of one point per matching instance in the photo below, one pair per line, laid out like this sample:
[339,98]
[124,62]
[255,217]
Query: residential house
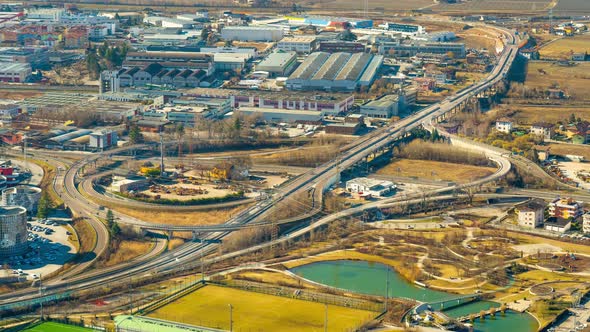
[542,129]
[586,223]
[76,37]
[556,94]
[425,83]
[558,225]
[543,152]
[504,125]
[579,133]
[530,53]
[565,208]
[531,213]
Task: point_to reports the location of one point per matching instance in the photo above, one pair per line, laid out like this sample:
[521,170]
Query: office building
[299,44]
[13,231]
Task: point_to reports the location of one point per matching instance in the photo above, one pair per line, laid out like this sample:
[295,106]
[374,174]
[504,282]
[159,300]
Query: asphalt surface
[184,256]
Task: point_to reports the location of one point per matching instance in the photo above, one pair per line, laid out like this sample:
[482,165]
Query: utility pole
[25,151]
[202,267]
[325,317]
[41,294]
[387,291]
[161,154]
[231,321]
[205,242]
[130,297]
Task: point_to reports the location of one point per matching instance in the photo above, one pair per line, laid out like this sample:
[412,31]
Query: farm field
[565,149]
[435,170]
[527,115]
[574,80]
[563,47]
[56,327]
[496,6]
[576,7]
[209,306]
[373,5]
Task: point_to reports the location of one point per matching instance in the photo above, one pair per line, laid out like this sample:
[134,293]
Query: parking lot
[49,250]
[578,320]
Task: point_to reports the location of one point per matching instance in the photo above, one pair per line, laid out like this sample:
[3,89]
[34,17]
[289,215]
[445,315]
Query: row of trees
[422,150]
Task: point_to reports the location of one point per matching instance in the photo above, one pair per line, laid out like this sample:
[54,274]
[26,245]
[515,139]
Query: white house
[586,223]
[531,213]
[558,225]
[504,125]
[370,187]
[542,129]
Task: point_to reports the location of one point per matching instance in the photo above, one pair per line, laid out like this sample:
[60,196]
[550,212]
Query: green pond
[374,278]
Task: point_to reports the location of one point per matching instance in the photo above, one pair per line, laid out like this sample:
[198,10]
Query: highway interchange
[317,179]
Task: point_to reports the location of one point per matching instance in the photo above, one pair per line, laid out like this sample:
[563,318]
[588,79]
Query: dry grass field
[574,80]
[209,306]
[435,170]
[574,7]
[527,115]
[495,6]
[565,149]
[128,250]
[86,236]
[373,5]
[172,217]
[563,47]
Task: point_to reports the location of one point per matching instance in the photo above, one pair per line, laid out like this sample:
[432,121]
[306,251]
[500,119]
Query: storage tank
[22,195]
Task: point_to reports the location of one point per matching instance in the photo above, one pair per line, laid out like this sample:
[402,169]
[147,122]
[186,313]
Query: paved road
[184,256]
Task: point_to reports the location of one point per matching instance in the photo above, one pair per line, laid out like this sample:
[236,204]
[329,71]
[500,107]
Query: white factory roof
[251,27]
[277,59]
[298,39]
[279,111]
[10,67]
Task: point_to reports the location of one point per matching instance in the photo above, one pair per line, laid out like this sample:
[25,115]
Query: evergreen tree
[205,33]
[237,126]
[572,118]
[112,224]
[115,229]
[347,35]
[102,50]
[110,218]
[44,206]
[135,135]
[93,64]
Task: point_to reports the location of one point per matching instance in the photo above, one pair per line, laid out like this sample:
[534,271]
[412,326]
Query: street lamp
[205,242]
[231,322]
[41,295]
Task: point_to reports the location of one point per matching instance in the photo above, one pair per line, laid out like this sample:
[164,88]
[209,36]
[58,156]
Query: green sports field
[56,327]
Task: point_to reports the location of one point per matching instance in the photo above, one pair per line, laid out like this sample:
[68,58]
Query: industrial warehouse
[335,72]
